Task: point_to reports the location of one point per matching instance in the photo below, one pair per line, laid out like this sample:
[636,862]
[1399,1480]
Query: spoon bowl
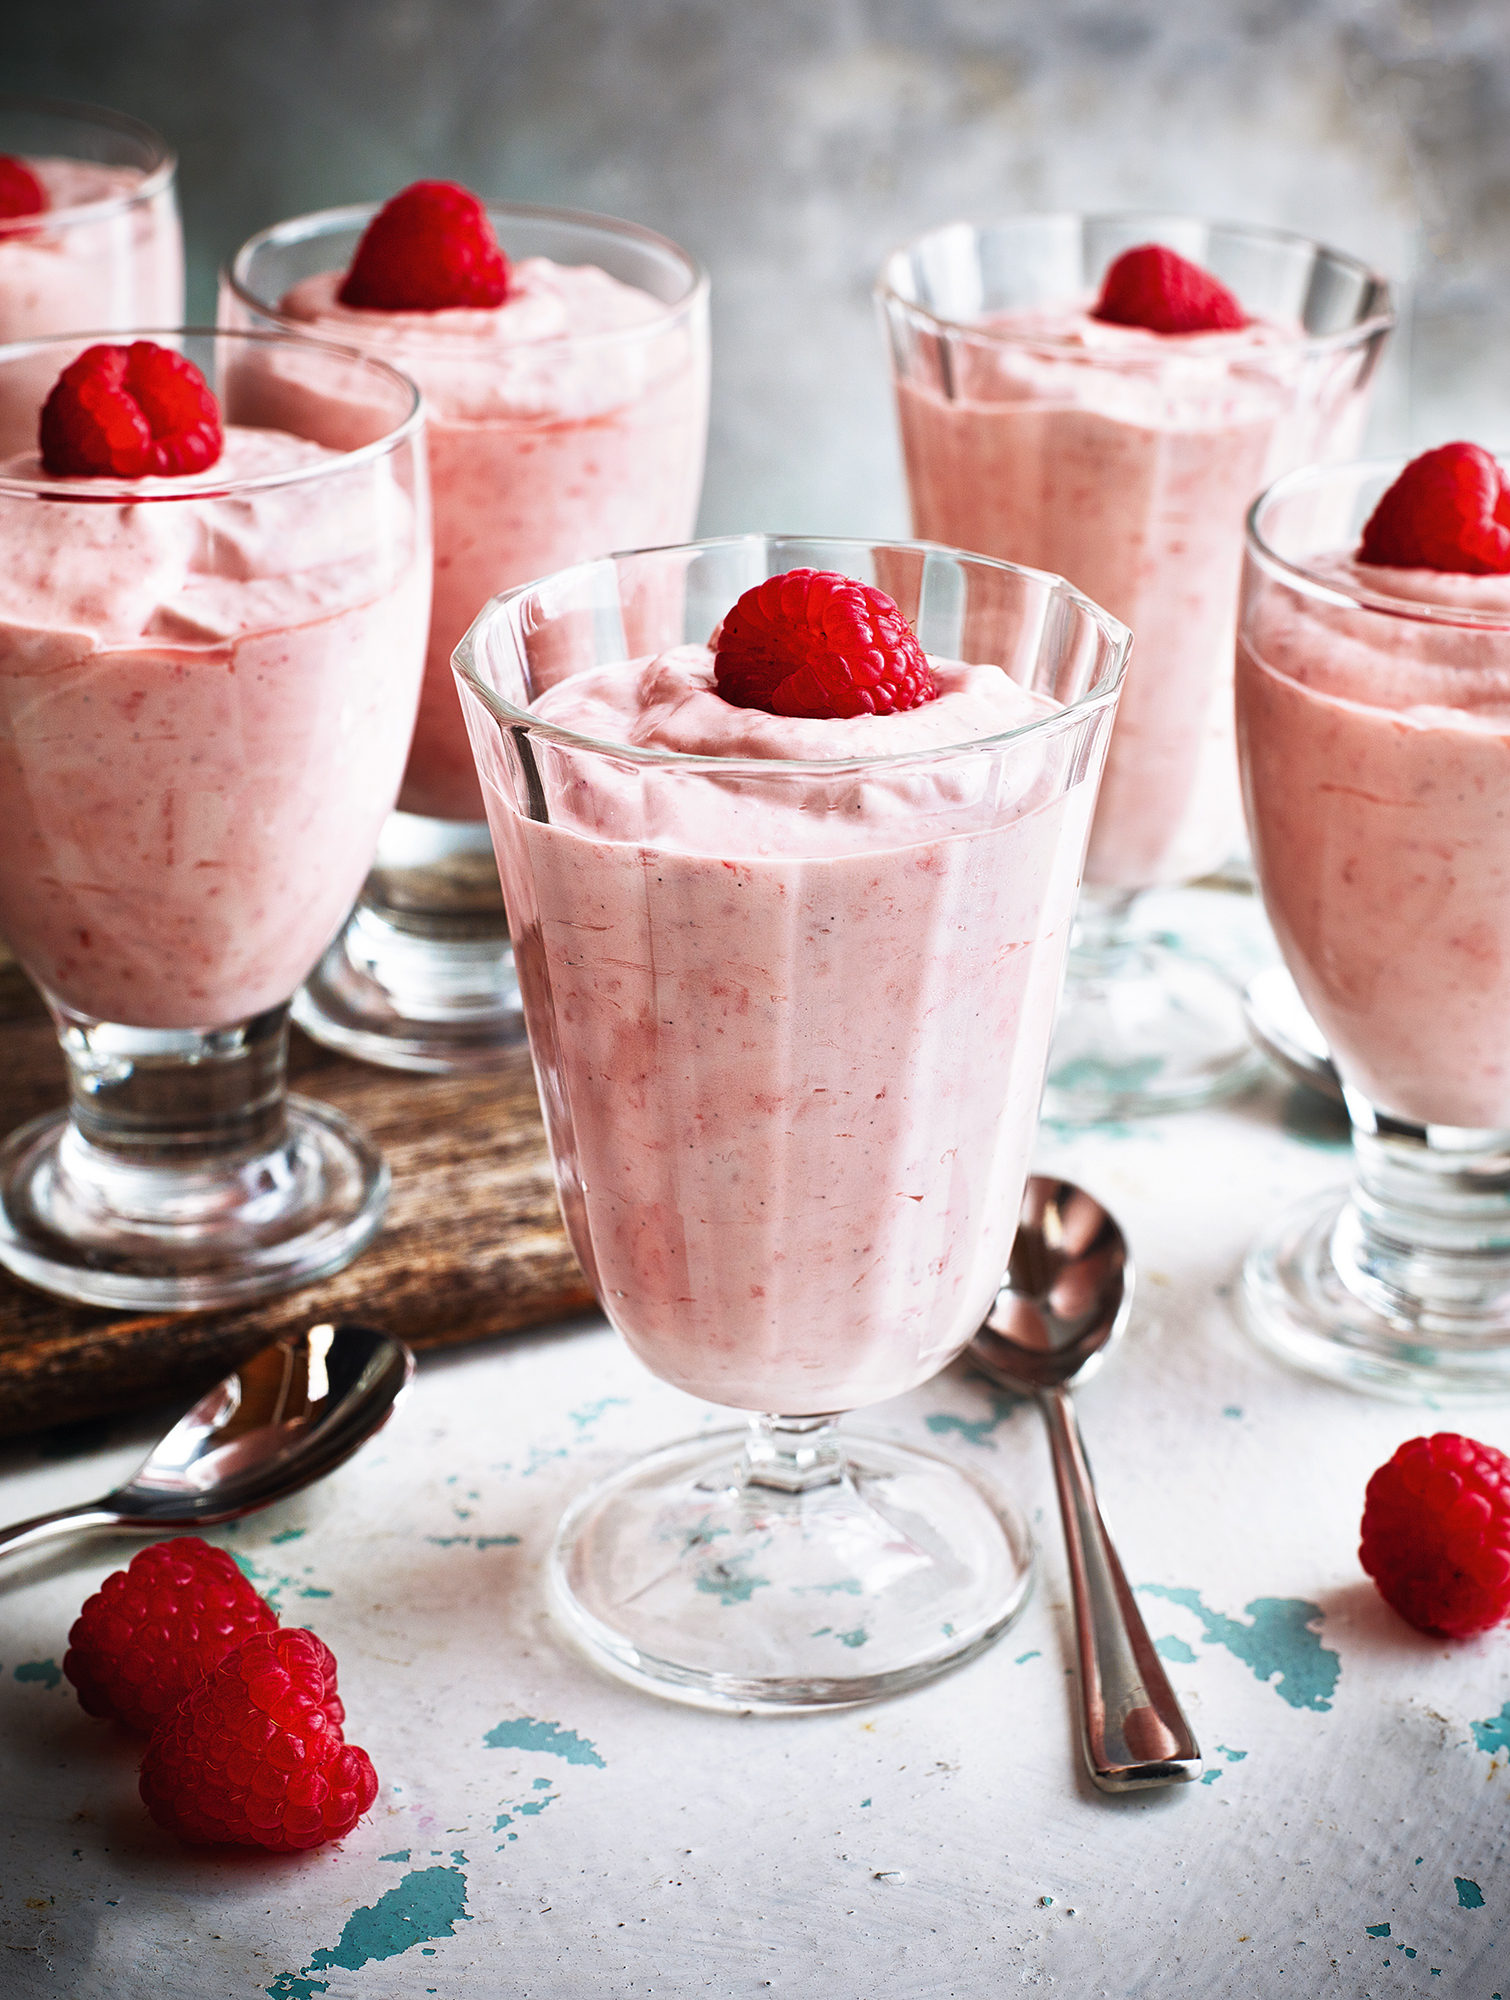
[1064,1302]
[286,1417]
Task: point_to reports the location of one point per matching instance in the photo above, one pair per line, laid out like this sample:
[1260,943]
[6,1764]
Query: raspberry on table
[255,1753]
[153,1630]
[1154,287]
[430,248]
[21,193]
[812,642]
[1436,1534]
[1448,510]
[127,412]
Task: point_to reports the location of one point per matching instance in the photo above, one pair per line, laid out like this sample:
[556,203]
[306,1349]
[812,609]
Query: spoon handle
[65,1521]
[1134,1730]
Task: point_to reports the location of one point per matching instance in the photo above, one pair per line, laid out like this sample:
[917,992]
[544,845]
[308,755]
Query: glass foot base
[437,1006]
[686,1577]
[1146,1031]
[180,1239]
[1294,1303]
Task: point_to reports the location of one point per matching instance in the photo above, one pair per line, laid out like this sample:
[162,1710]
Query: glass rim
[1114,635]
[156,177]
[886,293]
[1358,597]
[356,215]
[112,492]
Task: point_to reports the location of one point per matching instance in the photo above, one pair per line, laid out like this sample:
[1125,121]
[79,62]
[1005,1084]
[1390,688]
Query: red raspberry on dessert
[153,1630]
[21,193]
[127,412]
[1436,1534]
[255,1755]
[812,642]
[1156,288]
[430,248]
[1448,510]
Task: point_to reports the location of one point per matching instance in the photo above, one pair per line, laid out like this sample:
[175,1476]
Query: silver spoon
[1279,1021]
[1066,1298]
[283,1419]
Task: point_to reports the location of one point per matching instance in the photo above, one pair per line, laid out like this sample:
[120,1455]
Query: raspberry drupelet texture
[1448,510]
[430,248]
[21,193]
[155,1629]
[1156,288]
[1436,1534]
[812,642]
[126,412]
[255,1755]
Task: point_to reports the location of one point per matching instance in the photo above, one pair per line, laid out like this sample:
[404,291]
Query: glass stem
[1099,940]
[176,1098]
[793,1454]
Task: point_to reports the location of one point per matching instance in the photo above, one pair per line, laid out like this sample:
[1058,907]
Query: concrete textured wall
[790,143]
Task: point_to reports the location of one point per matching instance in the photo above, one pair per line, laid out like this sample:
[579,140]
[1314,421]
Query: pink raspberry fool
[255,1755]
[1436,1534]
[153,1630]
[814,643]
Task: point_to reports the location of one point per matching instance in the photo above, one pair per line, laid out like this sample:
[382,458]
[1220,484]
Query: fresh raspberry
[129,411]
[1448,510]
[152,1631]
[1157,288]
[430,247]
[812,642]
[1436,1534]
[254,1754]
[21,193]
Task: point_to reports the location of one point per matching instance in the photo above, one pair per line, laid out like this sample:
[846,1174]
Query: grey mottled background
[789,143]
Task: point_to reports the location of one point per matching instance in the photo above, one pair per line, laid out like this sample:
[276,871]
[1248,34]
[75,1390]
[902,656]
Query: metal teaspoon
[286,1417]
[1066,1298]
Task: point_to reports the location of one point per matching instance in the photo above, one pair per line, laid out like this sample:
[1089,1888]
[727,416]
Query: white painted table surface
[542,1830]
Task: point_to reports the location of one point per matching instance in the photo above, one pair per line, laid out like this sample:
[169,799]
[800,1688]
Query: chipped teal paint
[1279,1641]
[590,1412]
[977,1430]
[1210,1777]
[311,1590]
[864,1803]
[850,1585]
[1023,1657]
[542,1784]
[458,1857]
[721,1582]
[1097,1074]
[1377,1930]
[1232,1756]
[1494,1734]
[1470,1895]
[429,1903]
[858,1637]
[1232,1409]
[1171,1648]
[399,1854]
[288,1535]
[48,1672]
[498,1541]
[523,1732]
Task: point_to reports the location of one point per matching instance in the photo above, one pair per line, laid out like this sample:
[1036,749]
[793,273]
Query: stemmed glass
[106,252]
[1125,461]
[789,1023]
[1371,712]
[546,446]
[207,689]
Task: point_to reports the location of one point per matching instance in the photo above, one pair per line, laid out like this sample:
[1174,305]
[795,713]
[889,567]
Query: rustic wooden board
[472,1246]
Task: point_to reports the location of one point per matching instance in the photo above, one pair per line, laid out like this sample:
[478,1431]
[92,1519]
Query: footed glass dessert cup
[207,689]
[1373,716]
[789,1019]
[106,251]
[568,422]
[1125,460]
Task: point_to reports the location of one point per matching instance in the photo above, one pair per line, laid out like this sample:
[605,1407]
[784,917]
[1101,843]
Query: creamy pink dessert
[791,1028]
[106,254]
[205,706]
[1376,756]
[1125,460]
[565,423]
